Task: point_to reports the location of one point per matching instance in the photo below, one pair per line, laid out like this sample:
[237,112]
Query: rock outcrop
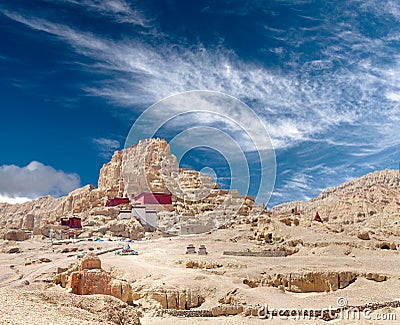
[126,228]
[170,298]
[15,235]
[88,278]
[150,166]
[59,307]
[227,310]
[313,281]
[110,178]
[316,281]
[28,222]
[146,166]
[34,214]
[373,195]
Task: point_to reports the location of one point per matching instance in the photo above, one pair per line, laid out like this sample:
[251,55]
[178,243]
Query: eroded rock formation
[170,298]
[15,235]
[146,166]
[370,197]
[313,281]
[88,278]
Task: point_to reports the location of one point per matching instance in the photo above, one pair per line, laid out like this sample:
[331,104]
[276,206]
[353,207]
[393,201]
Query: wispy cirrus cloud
[119,10]
[106,147]
[343,86]
[387,9]
[332,106]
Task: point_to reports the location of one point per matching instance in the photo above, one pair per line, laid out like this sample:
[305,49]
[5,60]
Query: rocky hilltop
[149,166]
[372,200]
[144,167]
[282,257]
[136,169]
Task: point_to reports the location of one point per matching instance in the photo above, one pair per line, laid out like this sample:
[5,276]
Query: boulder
[376,277]
[14,250]
[364,235]
[15,235]
[44,260]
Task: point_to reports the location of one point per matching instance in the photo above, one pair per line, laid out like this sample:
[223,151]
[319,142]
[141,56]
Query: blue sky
[323,77]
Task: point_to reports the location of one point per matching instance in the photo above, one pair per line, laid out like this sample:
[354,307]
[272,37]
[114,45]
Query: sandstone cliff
[150,166]
[33,214]
[373,199]
[147,166]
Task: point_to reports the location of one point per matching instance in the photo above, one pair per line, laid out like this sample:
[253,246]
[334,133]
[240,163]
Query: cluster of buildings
[145,210]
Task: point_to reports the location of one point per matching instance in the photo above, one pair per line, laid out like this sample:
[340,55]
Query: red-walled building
[117,201]
[154,198]
[72,222]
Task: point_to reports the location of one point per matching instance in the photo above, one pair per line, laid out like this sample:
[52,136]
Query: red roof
[117,201]
[154,198]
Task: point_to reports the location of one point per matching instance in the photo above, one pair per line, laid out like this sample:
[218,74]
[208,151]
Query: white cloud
[106,146]
[34,180]
[383,9]
[13,200]
[393,96]
[120,10]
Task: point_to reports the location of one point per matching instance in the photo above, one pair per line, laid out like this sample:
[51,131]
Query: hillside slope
[373,196]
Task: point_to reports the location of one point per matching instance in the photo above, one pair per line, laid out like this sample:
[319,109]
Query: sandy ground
[161,263]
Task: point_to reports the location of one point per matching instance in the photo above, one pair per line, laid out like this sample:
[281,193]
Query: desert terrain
[281,258]
[162,267]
